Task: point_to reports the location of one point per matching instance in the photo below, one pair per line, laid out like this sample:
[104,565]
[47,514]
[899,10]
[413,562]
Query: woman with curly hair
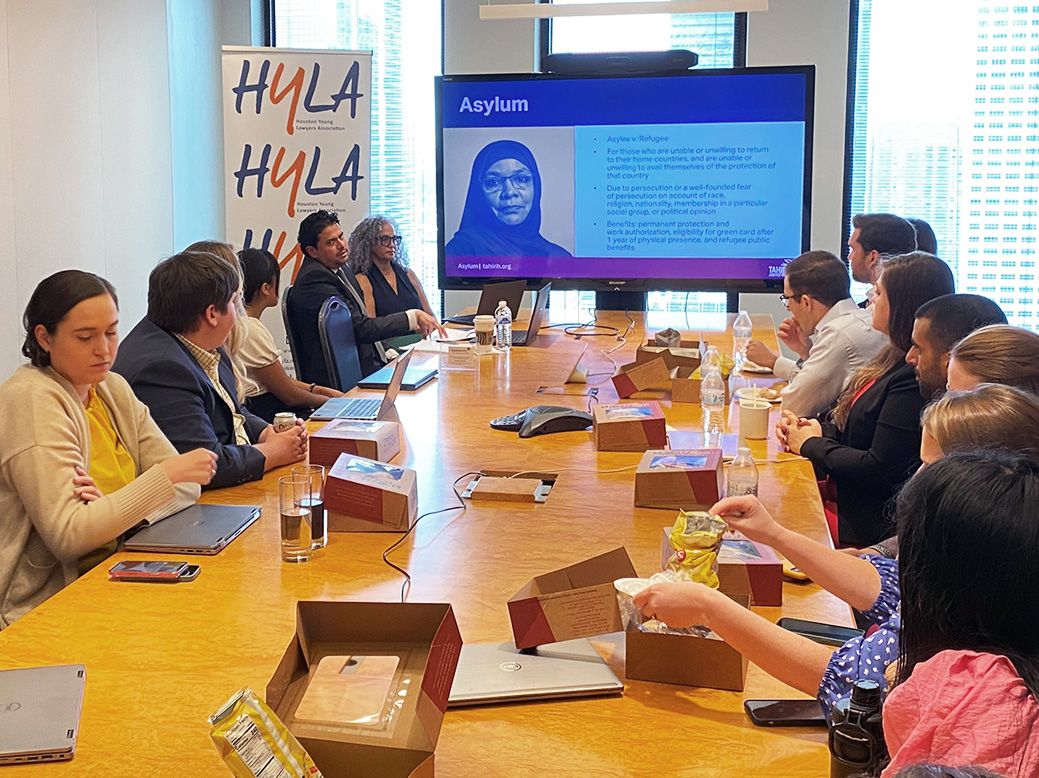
[380,262]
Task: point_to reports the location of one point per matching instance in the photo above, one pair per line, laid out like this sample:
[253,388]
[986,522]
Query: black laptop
[509,291]
[537,316]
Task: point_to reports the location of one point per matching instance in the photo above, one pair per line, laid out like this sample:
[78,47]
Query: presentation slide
[630,178]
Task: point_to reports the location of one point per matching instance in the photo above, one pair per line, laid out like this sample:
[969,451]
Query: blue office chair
[290,336]
[335,325]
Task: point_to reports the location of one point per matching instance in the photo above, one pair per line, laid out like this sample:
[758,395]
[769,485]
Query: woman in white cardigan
[81,460]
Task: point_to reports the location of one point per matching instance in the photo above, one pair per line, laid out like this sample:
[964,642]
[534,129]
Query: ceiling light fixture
[555,10]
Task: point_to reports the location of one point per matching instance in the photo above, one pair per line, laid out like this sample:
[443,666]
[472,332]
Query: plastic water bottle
[742,331]
[743,475]
[503,327]
[712,398]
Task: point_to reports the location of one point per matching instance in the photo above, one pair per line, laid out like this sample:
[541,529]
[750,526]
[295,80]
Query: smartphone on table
[785,713]
[153,572]
[827,634]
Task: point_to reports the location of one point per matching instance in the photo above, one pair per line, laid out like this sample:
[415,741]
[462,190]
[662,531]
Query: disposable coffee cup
[754,419]
[484,326]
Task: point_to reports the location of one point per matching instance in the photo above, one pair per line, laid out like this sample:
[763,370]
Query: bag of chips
[252,741]
[696,538]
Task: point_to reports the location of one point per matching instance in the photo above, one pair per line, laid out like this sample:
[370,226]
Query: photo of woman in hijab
[502,215]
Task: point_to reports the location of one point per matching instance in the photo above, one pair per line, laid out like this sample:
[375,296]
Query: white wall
[84,148]
[196,129]
[110,140]
[196,29]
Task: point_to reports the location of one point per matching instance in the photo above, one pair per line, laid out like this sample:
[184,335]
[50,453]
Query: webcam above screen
[676,180]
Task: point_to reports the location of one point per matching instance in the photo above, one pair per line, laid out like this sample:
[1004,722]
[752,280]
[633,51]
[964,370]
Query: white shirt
[256,350]
[843,341]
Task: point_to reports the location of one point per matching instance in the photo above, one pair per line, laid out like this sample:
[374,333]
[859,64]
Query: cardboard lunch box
[687,354]
[364,495]
[690,479]
[578,601]
[686,389]
[743,566]
[378,440]
[640,376]
[629,426]
[687,660]
[397,706]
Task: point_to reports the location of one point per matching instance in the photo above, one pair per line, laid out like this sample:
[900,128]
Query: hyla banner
[297,139]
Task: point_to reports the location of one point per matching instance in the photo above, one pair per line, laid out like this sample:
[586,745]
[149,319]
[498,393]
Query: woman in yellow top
[81,460]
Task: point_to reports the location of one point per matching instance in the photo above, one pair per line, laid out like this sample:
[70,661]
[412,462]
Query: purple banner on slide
[616,267]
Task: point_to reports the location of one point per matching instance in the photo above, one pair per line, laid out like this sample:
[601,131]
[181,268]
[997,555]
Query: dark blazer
[314,284]
[873,456]
[186,406]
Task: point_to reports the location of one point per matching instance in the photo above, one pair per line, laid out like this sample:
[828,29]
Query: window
[925,110]
[713,36]
[404,34]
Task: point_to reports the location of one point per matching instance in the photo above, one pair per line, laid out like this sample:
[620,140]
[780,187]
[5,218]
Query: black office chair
[290,336]
[335,325]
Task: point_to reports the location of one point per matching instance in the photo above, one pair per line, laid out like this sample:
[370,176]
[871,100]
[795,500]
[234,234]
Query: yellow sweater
[44,434]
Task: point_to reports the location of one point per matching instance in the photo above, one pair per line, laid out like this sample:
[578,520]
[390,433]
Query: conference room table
[161,658]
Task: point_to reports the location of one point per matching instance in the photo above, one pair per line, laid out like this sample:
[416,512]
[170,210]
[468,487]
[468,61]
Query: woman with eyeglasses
[380,262]
[502,215]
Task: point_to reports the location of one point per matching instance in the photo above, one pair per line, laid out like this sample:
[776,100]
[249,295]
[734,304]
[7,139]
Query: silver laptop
[198,529]
[499,672]
[365,408]
[536,317]
[39,713]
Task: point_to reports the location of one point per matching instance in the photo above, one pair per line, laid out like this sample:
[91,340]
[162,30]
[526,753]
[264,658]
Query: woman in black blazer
[870,444]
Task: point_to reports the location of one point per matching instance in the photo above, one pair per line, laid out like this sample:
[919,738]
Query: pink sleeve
[962,707]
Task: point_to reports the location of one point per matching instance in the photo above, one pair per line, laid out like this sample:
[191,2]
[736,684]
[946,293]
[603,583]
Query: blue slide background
[780,186]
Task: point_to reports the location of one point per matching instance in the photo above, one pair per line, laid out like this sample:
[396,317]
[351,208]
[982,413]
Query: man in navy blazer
[323,274]
[174,361]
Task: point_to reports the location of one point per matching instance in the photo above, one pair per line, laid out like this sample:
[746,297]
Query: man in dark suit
[324,274]
[174,362]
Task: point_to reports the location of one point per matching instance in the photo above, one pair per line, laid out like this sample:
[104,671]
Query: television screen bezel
[731,285]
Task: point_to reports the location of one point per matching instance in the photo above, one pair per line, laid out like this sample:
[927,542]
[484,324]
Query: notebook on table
[509,291]
[499,672]
[198,529]
[40,708]
[366,408]
[536,317]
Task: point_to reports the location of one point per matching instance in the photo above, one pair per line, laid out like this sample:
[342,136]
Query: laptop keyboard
[360,408]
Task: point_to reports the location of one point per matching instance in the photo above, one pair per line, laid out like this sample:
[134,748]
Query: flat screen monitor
[692,180]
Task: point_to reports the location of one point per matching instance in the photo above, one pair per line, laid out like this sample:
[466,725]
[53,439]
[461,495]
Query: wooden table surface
[161,659]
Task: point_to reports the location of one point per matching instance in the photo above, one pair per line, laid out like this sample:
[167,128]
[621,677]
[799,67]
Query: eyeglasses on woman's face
[389,240]
[520,180]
